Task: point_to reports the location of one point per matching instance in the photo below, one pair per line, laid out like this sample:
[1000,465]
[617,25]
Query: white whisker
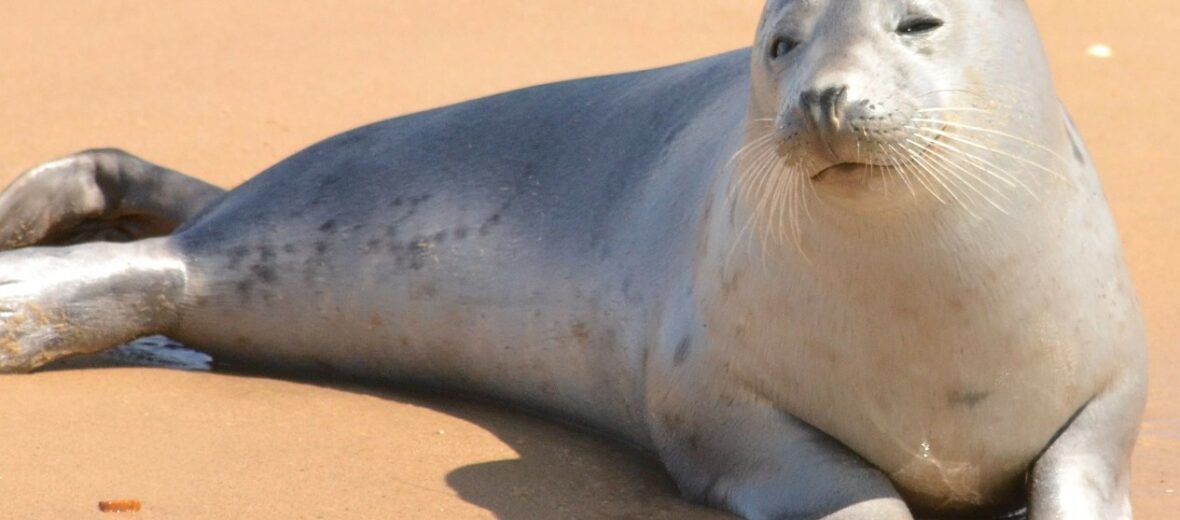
[921,178]
[996,133]
[954,109]
[946,160]
[749,147]
[984,165]
[945,180]
[756,174]
[962,181]
[974,144]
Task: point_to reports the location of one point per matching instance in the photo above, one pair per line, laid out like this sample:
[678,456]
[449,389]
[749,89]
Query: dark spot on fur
[289,249]
[424,292]
[683,349]
[322,247]
[329,181]
[672,421]
[673,134]
[329,226]
[580,333]
[236,255]
[245,289]
[412,254]
[265,273]
[266,253]
[488,224]
[968,399]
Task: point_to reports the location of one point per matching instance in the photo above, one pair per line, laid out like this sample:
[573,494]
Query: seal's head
[887,103]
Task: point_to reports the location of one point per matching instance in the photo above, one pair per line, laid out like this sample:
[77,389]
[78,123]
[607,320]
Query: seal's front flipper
[772,466]
[1085,474]
[729,448]
[98,195]
[59,302]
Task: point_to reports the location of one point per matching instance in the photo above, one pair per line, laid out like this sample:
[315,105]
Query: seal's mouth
[888,164]
[847,169]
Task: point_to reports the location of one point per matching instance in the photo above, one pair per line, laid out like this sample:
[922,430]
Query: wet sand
[223,89]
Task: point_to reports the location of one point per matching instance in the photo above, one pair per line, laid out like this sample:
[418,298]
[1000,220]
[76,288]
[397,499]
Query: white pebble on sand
[1099,50]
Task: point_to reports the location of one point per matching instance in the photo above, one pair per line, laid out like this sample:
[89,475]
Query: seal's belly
[953,407]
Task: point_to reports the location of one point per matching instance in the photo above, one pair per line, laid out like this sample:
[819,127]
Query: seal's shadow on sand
[561,472]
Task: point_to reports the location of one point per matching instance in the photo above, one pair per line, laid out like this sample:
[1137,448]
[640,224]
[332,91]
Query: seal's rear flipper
[59,302]
[98,195]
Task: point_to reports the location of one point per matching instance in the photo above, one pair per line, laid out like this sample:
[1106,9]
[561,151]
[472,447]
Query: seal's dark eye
[781,47]
[919,25]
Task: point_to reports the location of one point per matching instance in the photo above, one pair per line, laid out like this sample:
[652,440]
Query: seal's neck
[793,234]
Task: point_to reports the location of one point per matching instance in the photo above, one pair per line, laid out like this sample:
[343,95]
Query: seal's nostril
[833,104]
[826,106]
[835,98]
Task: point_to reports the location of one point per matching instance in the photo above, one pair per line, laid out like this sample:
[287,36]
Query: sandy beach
[222,89]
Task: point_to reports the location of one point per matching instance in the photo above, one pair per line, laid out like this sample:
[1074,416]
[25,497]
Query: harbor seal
[863,270]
